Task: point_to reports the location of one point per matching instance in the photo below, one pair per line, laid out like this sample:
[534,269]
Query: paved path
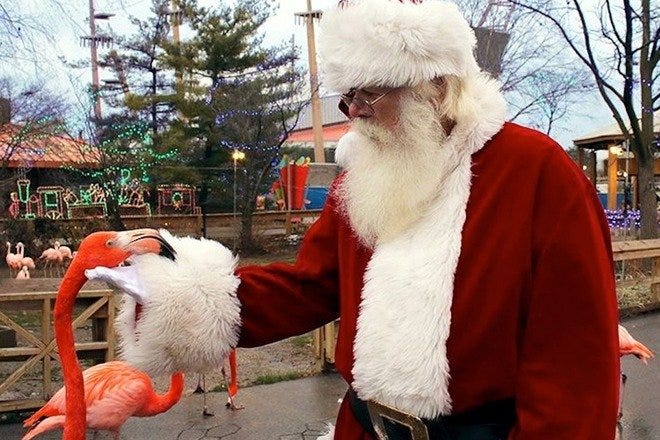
[300,409]
[641,404]
[297,410]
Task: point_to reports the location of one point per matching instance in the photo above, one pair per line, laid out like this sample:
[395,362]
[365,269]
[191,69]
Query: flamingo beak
[143,241]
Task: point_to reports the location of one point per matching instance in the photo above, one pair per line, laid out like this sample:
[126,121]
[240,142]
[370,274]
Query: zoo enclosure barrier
[27,339]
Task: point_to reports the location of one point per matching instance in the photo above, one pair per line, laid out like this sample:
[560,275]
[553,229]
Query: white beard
[392,177]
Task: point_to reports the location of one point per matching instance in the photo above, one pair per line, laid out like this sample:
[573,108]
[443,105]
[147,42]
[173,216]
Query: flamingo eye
[108,243]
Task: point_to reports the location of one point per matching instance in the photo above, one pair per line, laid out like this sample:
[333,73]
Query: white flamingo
[12,260]
[25,261]
[23,274]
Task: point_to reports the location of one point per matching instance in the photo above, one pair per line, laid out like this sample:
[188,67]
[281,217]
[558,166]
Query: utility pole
[317,124]
[176,15]
[94,41]
[95,66]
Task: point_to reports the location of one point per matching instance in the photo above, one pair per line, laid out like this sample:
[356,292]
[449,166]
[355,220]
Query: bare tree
[618,43]
[28,114]
[27,26]
[540,80]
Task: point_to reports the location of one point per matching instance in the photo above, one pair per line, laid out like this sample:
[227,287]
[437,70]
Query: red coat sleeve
[281,300]
[568,366]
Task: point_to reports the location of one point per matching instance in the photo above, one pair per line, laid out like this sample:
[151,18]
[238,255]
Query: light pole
[236,156]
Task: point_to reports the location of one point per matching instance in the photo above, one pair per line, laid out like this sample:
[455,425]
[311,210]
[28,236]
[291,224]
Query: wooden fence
[35,348]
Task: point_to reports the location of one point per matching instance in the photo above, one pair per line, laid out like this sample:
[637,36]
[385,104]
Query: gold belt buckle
[378,411]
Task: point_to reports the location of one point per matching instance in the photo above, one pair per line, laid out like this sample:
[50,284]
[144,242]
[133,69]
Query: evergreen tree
[146,84]
[234,94]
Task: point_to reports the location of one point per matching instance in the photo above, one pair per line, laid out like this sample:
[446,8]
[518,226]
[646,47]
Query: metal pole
[95,67]
[235,156]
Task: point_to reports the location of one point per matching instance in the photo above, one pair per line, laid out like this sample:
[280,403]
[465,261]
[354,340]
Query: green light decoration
[23,190]
[50,206]
[124,176]
[177,200]
[85,196]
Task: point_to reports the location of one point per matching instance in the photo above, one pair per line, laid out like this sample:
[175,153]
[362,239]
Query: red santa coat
[534,311]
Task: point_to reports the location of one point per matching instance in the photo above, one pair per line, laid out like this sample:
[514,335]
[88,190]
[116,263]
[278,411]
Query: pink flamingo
[629,345]
[13,262]
[25,261]
[52,258]
[23,274]
[64,250]
[114,391]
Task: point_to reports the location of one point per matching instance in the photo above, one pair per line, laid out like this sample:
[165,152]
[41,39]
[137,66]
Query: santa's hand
[124,278]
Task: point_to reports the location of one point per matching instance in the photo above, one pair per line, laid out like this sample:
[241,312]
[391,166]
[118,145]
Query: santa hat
[394,43]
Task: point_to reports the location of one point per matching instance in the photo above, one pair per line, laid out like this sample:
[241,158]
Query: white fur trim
[389,43]
[192,317]
[329,434]
[405,313]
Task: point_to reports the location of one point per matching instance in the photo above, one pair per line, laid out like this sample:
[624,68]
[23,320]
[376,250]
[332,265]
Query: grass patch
[638,297]
[302,341]
[268,379]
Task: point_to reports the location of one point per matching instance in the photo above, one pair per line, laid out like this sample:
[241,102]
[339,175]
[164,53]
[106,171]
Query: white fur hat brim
[391,44]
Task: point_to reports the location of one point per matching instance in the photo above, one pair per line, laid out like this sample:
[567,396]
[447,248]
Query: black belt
[491,421]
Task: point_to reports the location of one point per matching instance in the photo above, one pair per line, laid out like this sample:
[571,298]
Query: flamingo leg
[232,386]
[199,389]
[205,409]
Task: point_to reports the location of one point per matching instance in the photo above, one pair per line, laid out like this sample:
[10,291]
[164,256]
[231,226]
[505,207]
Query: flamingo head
[95,250]
[110,248]
[143,241]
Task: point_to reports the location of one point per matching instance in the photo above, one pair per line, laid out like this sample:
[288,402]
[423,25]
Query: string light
[619,219]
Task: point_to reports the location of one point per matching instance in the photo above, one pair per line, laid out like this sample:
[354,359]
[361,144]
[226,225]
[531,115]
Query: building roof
[330,113]
[43,150]
[331,133]
[335,123]
[604,137]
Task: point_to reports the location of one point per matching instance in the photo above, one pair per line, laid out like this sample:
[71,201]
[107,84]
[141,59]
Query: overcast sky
[69,24]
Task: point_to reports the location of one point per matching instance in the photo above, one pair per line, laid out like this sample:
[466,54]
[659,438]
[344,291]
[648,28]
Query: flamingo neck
[160,403]
[75,425]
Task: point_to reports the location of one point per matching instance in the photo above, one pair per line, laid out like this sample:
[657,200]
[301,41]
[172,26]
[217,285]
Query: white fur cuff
[329,435]
[191,319]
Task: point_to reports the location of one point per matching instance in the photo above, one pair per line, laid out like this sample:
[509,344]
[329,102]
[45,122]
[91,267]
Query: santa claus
[467,257]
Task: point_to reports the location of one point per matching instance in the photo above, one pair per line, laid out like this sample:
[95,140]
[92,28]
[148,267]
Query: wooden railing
[36,347]
[629,252]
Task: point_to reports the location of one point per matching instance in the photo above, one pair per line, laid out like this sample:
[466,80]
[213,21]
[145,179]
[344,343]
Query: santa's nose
[355,110]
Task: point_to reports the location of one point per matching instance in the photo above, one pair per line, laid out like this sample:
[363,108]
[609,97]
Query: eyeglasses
[349,98]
